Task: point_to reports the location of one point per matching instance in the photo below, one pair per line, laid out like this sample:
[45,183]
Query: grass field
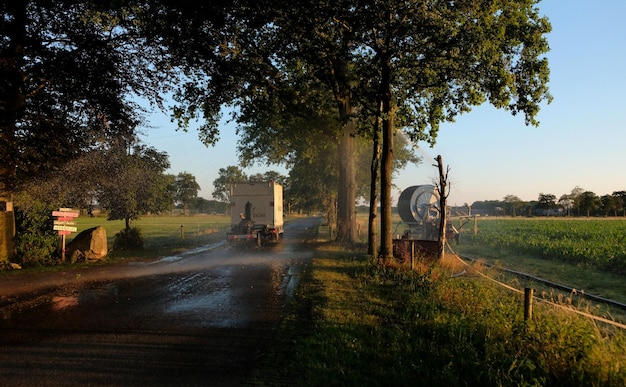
[163,235]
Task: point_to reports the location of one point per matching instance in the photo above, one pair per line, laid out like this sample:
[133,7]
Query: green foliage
[36,242]
[587,242]
[225,177]
[128,239]
[185,189]
[135,184]
[47,117]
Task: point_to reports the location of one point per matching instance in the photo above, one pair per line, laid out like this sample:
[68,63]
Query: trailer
[256,213]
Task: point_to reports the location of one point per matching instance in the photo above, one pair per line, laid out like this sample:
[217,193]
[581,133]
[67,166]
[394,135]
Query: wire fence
[539,299]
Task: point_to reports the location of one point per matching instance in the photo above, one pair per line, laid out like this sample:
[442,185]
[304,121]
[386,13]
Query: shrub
[128,239]
[36,242]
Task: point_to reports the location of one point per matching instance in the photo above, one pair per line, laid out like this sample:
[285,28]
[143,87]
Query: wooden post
[63,248]
[412,255]
[182,231]
[475,225]
[528,304]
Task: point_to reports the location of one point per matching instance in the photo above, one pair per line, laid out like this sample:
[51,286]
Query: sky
[580,140]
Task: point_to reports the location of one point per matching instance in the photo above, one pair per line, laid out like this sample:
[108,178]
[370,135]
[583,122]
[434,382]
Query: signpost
[64,225]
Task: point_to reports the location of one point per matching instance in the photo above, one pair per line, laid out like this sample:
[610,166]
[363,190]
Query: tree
[620,200]
[210,206]
[267,176]
[67,70]
[437,60]
[135,184]
[566,202]
[241,51]
[546,202]
[226,176]
[185,189]
[608,204]
[514,203]
[576,197]
[589,202]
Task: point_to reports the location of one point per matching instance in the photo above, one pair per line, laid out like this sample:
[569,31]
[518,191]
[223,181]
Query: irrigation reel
[418,207]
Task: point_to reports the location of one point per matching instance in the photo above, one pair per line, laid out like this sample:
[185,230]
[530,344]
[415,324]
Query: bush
[36,243]
[128,239]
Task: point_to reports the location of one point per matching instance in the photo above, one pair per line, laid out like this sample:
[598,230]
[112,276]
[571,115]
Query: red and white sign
[63,224]
[65,214]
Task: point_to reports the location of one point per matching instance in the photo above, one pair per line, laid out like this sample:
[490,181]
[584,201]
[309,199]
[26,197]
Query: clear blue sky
[580,141]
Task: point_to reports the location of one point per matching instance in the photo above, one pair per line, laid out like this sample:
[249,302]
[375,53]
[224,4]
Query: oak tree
[67,73]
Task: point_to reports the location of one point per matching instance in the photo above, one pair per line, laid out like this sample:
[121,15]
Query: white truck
[256,213]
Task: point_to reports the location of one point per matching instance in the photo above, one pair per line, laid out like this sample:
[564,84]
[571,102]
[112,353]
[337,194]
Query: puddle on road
[69,298]
[174,258]
[189,300]
[214,310]
[63,302]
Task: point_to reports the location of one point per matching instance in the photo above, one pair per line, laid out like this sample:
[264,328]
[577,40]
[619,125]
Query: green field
[163,234]
[599,243]
[587,254]
[161,226]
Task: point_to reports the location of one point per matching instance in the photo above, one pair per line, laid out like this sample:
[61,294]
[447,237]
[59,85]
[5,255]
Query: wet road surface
[202,318]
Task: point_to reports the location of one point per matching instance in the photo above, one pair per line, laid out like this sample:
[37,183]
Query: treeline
[578,202]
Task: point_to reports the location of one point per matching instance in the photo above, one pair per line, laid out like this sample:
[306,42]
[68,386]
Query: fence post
[412,255]
[528,304]
[182,231]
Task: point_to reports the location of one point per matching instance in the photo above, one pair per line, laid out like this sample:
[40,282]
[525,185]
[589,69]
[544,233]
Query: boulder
[89,245]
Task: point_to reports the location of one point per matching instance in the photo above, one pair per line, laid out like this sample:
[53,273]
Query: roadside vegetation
[355,322]
[159,236]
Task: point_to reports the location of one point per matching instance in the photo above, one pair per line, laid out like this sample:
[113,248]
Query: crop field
[598,243]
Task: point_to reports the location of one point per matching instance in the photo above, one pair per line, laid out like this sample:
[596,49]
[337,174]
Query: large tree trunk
[372,246]
[386,244]
[7,218]
[346,217]
[12,99]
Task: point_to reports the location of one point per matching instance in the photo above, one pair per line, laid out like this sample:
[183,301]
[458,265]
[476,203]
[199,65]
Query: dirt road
[202,318]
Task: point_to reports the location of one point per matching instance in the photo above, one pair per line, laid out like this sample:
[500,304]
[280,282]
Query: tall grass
[362,324]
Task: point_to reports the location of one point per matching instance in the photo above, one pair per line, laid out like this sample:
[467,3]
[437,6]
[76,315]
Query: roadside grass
[355,322]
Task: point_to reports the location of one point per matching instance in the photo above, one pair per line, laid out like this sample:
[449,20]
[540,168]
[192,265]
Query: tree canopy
[185,189]
[340,70]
